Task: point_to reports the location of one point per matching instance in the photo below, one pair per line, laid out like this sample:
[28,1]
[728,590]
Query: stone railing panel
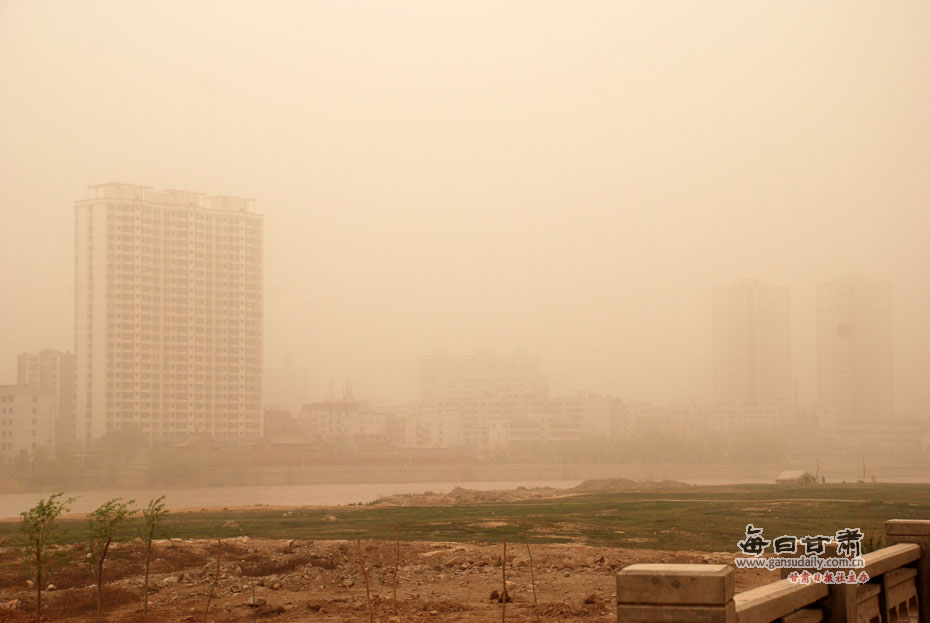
[805,615]
[868,603]
[914,531]
[900,590]
[889,558]
[776,600]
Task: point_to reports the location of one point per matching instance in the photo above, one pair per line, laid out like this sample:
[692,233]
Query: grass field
[698,518]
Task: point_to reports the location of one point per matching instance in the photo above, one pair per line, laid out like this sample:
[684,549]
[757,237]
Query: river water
[12,504]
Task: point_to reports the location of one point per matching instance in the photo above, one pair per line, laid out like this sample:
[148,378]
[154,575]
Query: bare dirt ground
[460,495]
[323,581]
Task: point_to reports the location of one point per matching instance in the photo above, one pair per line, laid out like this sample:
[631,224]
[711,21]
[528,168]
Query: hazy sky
[571,179]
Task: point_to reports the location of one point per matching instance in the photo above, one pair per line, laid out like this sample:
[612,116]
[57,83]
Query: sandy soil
[460,495]
[323,581]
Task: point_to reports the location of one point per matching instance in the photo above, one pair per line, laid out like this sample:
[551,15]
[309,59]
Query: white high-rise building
[854,348]
[752,344]
[168,313]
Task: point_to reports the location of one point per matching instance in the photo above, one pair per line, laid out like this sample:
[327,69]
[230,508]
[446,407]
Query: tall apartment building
[854,348]
[168,313]
[752,344]
[27,422]
[480,388]
[52,370]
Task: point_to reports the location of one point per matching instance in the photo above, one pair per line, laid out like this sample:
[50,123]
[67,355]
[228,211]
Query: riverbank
[279,496]
[204,478]
[307,562]
[672,517]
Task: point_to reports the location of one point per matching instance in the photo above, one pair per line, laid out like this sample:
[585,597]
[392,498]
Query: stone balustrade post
[676,594]
[842,605]
[915,531]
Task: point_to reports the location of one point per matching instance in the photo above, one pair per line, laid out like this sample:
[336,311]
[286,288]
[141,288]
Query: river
[335,494]
[12,504]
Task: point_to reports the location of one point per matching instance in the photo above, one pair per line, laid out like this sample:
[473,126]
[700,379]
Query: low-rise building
[347,423]
[795,477]
[53,370]
[27,422]
[436,431]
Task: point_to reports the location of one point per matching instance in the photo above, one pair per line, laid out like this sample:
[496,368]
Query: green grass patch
[700,518]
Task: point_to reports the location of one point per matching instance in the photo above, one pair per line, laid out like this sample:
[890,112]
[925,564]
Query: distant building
[52,370]
[874,441]
[27,422]
[854,349]
[285,446]
[524,430]
[795,478]
[733,421]
[279,421]
[347,423]
[286,387]
[168,313]
[752,344]
[430,430]
[473,390]
[588,416]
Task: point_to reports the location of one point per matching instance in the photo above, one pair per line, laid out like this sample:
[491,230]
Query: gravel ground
[323,581]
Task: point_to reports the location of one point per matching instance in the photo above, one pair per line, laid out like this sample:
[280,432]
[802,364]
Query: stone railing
[898,590]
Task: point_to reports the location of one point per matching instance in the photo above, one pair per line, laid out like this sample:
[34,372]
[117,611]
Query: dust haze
[565,192]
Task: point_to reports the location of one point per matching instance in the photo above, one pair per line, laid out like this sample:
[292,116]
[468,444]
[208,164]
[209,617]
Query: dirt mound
[461,495]
[604,485]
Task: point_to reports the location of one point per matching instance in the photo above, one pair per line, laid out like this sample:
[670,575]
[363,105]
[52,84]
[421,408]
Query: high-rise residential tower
[854,348]
[168,313]
[752,344]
